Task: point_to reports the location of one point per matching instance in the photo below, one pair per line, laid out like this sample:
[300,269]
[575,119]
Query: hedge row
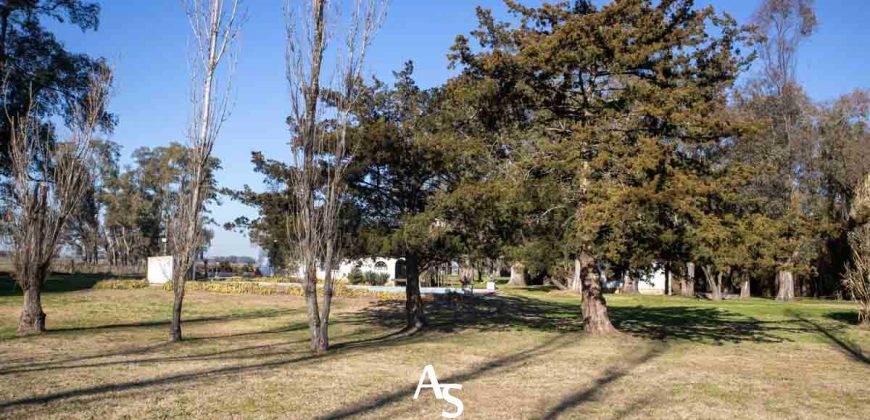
[121,284]
[251,288]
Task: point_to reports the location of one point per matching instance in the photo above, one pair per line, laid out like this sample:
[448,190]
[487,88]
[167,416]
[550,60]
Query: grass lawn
[521,354]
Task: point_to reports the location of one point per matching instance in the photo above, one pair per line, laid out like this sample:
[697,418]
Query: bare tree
[48,181]
[319,148]
[857,276]
[215,25]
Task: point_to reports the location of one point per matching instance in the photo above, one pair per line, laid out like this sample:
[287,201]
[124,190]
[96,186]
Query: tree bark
[519,275]
[596,320]
[310,285]
[577,284]
[745,293]
[629,284]
[416,319]
[688,287]
[668,279]
[784,286]
[32,319]
[714,281]
[178,300]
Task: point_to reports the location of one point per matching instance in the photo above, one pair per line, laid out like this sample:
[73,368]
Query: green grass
[56,283]
[521,354]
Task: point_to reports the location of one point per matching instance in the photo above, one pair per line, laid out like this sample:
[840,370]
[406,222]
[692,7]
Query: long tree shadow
[257,314]
[700,324]
[499,364]
[508,312]
[594,391]
[842,344]
[249,352]
[235,369]
[56,283]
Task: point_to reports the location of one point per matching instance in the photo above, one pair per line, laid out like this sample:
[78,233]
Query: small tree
[857,278]
[48,182]
[319,147]
[214,30]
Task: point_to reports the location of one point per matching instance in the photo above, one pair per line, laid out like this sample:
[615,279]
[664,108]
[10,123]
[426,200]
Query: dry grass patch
[519,355]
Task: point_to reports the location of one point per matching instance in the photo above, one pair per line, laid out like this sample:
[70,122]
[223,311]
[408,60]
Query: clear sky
[146,40]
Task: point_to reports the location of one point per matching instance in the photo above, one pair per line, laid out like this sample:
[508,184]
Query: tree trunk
[784,286]
[744,289]
[668,279]
[321,339]
[416,319]
[314,326]
[577,283]
[178,292]
[688,287]
[629,284]
[32,319]
[596,321]
[519,275]
[864,316]
[714,282]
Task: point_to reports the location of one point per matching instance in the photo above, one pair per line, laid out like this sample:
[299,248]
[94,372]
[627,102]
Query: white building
[651,284]
[391,266]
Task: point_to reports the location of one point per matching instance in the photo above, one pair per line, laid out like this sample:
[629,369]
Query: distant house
[652,284]
[393,267]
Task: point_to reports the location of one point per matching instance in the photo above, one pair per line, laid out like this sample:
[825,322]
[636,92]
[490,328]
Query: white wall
[365,264]
[160,269]
[653,284]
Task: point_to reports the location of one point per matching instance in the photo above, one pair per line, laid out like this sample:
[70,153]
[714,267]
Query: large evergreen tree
[613,103]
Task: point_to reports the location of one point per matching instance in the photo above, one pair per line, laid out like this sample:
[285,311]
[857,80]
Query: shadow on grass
[848,317]
[599,385]
[235,369]
[262,313]
[249,352]
[56,283]
[496,313]
[494,366]
[842,344]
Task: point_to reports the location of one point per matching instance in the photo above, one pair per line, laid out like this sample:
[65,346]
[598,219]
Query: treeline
[126,215]
[585,143]
[61,184]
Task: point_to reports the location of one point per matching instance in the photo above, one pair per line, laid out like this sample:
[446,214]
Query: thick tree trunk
[519,275]
[688,287]
[32,319]
[668,279]
[714,281]
[864,317]
[745,292]
[784,286]
[577,281]
[596,321]
[629,284]
[416,319]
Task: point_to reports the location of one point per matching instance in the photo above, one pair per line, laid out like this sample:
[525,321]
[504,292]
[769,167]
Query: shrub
[376,279]
[252,288]
[355,276]
[121,284]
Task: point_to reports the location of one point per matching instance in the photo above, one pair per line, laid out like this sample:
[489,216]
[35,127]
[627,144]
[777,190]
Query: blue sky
[146,40]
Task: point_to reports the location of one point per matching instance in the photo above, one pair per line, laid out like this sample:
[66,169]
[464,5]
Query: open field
[519,355]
